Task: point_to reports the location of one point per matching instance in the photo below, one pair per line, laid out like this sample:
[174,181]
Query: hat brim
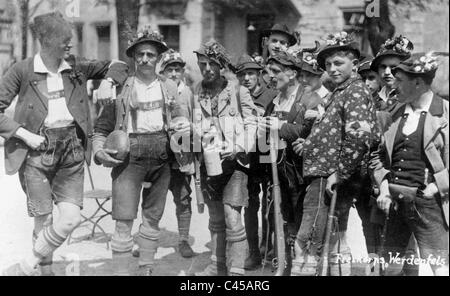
[291,38]
[376,61]
[249,66]
[330,48]
[211,58]
[274,58]
[308,68]
[160,46]
[164,65]
[407,70]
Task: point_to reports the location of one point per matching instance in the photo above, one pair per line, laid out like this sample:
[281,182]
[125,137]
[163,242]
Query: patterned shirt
[339,140]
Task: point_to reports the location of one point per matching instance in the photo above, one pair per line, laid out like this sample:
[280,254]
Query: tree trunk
[127,17]
[24,8]
[379,28]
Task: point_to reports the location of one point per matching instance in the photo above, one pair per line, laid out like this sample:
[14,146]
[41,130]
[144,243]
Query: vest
[408,158]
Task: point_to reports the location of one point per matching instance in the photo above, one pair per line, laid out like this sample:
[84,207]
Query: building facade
[237,24]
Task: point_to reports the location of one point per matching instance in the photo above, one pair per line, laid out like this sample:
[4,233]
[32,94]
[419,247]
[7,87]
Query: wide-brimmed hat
[286,59]
[282,29]
[399,46]
[146,35]
[217,53]
[309,64]
[171,57]
[336,42]
[420,64]
[364,62]
[246,62]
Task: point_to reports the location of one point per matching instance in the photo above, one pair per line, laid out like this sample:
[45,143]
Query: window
[104,42]
[354,19]
[171,35]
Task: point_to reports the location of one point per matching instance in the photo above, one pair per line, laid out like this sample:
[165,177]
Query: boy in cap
[391,53]
[145,113]
[369,76]
[248,73]
[224,120]
[48,142]
[411,165]
[172,67]
[333,156]
[276,39]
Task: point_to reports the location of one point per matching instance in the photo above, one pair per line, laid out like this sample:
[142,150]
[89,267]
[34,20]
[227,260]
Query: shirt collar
[322,91]
[292,97]
[40,67]
[349,81]
[425,108]
[181,86]
[151,85]
[384,95]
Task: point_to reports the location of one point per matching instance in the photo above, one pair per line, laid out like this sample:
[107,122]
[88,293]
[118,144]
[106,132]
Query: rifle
[326,245]
[198,188]
[279,231]
[382,243]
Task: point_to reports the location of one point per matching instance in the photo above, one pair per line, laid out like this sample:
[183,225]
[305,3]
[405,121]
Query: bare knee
[67,224]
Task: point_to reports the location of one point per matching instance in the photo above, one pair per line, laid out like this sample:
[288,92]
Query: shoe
[253,261]
[185,249]
[20,269]
[145,270]
[135,253]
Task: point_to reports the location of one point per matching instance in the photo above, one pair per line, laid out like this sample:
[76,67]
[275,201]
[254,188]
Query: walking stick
[326,245]
[279,232]
[383,242]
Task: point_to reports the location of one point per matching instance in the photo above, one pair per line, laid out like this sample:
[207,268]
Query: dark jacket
[32,106]
[435,144]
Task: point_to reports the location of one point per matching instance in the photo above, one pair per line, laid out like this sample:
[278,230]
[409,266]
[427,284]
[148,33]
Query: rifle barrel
[326,245]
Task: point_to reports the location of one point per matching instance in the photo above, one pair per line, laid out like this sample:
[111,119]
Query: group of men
[374,136]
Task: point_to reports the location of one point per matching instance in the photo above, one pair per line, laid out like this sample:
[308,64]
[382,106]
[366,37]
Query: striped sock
[47,241]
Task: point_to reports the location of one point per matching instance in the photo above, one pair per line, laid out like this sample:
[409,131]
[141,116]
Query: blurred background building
[237,24]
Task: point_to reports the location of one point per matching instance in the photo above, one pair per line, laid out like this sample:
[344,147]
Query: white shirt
[412,121]
[286,105]
[58,113]
[147,104]
[384,95]
[180,87]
